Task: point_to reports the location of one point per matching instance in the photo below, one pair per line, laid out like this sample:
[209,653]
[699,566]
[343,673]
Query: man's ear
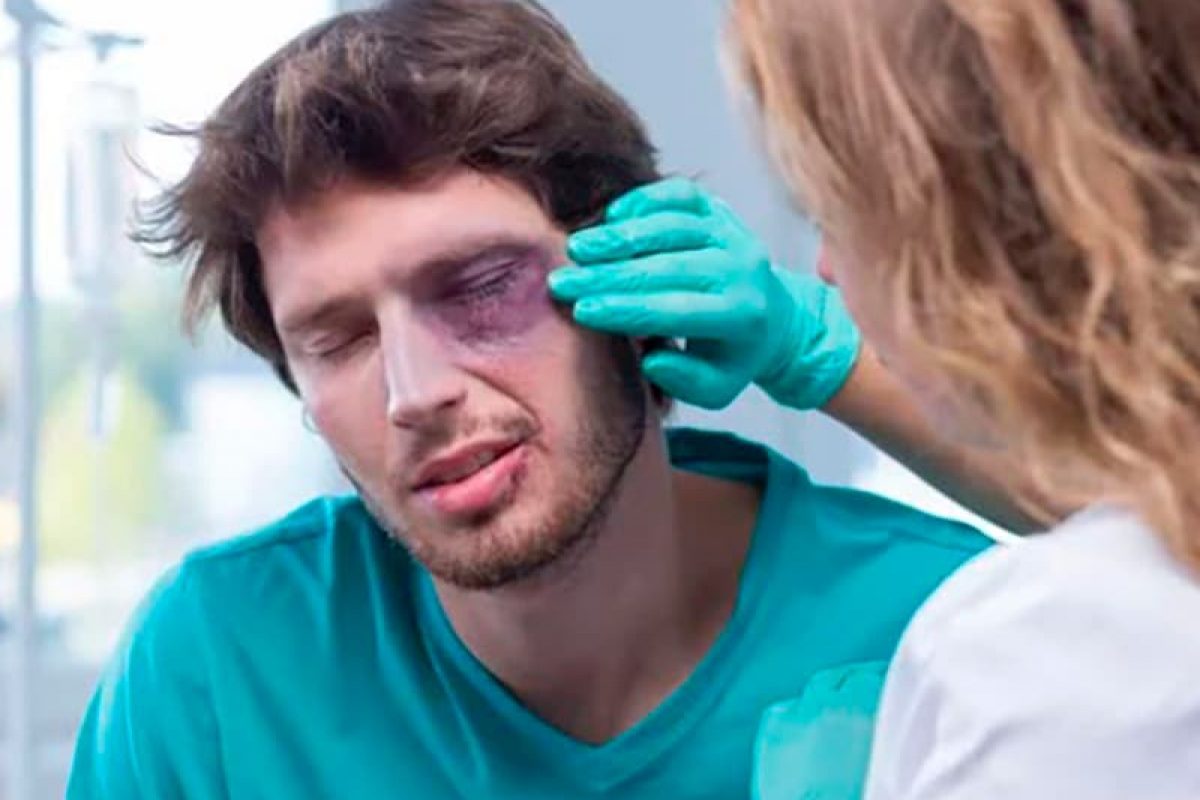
[643,346]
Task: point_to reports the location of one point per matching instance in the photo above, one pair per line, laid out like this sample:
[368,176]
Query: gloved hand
[672,261]
[819,747]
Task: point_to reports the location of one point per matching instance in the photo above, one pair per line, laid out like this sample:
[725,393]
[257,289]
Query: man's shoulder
[841,516]
[245,612]
[853,516]
[263,593]
[304,553]
[303,527]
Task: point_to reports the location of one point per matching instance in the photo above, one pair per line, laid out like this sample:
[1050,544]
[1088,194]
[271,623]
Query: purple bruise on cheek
[512,308]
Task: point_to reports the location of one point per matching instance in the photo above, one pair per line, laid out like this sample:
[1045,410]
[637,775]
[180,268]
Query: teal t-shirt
[312,660]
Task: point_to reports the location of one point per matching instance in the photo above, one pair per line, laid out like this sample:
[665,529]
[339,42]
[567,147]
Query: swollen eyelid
[499,308]
[490,288]
[489,279]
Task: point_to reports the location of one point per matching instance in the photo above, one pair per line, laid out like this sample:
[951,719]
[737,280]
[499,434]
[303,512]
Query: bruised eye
[496,301]
[494,284]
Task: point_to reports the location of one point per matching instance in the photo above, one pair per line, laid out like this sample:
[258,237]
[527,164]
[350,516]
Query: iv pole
[30,20]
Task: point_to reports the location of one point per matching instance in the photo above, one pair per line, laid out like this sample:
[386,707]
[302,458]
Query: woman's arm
[878,407]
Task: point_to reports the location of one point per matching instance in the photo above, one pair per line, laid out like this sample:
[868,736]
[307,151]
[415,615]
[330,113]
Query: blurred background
[125,444]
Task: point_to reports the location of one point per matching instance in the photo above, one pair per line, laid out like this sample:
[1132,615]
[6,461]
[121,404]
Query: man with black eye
[537,591]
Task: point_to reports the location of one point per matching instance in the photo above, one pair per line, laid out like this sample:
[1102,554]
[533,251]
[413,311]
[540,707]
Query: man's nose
[422,383]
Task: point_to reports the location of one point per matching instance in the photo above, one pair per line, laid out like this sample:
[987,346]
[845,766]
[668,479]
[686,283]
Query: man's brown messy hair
[1022,178]
[391,96]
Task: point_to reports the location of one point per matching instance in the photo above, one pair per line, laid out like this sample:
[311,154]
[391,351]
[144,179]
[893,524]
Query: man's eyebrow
[314,316]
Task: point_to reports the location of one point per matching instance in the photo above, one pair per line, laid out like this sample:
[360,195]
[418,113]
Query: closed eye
[339,349]
[487,287]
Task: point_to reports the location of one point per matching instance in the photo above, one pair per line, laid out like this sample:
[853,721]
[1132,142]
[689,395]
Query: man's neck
[596,646]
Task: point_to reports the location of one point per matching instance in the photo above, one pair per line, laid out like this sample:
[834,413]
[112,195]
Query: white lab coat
[1066,667]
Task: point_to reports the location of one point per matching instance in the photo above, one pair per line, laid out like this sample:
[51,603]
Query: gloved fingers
[864,674]
[669,231]
[669,194]
[853,688]
[722,211]
[695,270]
[692,380]
[679,315]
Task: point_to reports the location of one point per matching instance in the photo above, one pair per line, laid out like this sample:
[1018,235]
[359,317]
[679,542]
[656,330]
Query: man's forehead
[451,212]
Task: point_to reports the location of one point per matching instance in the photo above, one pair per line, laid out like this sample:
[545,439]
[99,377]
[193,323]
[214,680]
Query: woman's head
[1012,193]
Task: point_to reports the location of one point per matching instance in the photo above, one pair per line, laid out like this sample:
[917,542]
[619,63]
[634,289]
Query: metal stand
[21,762]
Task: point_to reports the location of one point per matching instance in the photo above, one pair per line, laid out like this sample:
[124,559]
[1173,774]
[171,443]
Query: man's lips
[460,463]
[470,485]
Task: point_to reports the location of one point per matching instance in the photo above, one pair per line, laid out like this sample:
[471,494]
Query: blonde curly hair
[1022,178]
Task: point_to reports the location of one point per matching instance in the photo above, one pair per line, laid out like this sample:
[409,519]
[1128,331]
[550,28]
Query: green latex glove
[672,261]
[819,747]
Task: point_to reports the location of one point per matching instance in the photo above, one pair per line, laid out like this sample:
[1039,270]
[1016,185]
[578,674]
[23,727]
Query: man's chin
[486,551]
[488,559]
